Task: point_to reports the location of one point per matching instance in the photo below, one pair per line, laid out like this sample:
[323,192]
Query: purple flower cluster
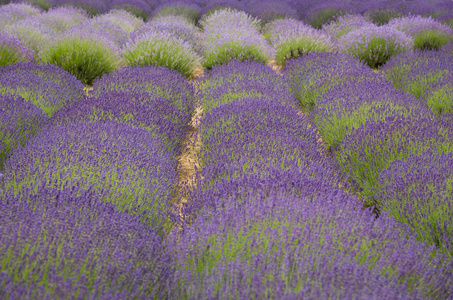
[65,242]
[20,121]
[375,45]
[418,192]
[185,9]
[63,18]
[303,247]
[292,38]
[45,86]
[428,33]
[13,12]
[314,74]
[12,50]
[233,34]
[139,8]
[129,166]
[345,24]
[156,81]
[125,20]
[270,10]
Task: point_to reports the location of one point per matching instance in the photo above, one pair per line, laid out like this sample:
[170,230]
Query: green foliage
[295,47]
[441,100]
[84,57]
[163,50]
[431,40]
[234,49]
[324,16]
[9,56]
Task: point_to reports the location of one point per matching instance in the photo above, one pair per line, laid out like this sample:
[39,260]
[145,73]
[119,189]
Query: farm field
[253,149]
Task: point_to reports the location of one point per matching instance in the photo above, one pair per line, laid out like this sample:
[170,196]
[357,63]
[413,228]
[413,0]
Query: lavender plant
[12,50]
[428,34]
[345,108]
[175,25]
[60,19]
[46,86]
[33,34]
[86,56]
[372,147]
[140,9]
[292,38]
[93,7]
[375,45]
[230,34]
[270,10]
[162,49]
[440,97]
[13,12]
[156,81]
[138,110]
[324,13]
[20,121]
[185,9]
[417,192]
[312,75]
[122,18]
[60,242]
[296,247]
[128,166]
[345,24]
[43,4]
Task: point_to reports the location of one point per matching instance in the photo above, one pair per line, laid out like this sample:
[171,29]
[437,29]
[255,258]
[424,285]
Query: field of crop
[238,149]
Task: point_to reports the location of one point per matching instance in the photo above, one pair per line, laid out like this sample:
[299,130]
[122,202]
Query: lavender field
[236,149]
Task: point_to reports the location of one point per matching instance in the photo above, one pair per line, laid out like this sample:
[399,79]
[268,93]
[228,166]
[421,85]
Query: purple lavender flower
[63,18]
[428,33]
[177,26]
[139,8]
[313,74]
[320,13]
[232,34]
[292,38]
[93,7]
[417,192]
[13,12]
[128,166]
[270,10]
[185,9]
[67,241]
[156,81]
[300,247]
[124,19]
[12,50]
[375,45]
[345,24]
[45,86]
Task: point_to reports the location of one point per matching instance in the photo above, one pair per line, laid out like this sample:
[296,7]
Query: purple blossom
[185,9]
[62,18]
[139,8]
[345,24]
[12,50]
[13,12]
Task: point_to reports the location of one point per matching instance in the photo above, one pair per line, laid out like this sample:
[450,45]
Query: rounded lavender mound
[186,9]
[366,151]
[294,248]
[270,10]
[93,7]
[154,114]
[345,108]
[46,86]
[65,241]
[20,121]
[156,81]
[139,8]
[345,24]
[314,74]
[12,50]
[417,192]
[127,165]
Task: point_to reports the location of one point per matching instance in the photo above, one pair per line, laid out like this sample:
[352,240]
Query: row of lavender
[88,184]
[91,47]
[395,150]
[315,12]
[269,216]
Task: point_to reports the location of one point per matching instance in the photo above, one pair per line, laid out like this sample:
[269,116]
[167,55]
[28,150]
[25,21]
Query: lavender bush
[139,110]
[325,12]
[345,24]
[417,192]
[60,242]
[294,247]
[128,166]
[270,10]
[45,86]
[63,18]
[124,19]
[20,121]
[93,7]
[347,107]
[175,25]
[86,56]
[232,34]
[13,12]
[312,75]
[375,45]
[12,50]
[162,49]
[185,9]
[292,38]
[427,33]
[140,9]
[372,147]
[440,97]
[156,81]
